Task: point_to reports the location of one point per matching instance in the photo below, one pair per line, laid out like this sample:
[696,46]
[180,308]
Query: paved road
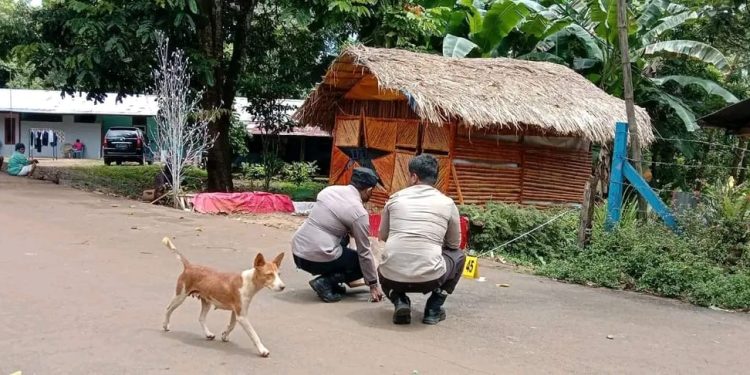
[81,292]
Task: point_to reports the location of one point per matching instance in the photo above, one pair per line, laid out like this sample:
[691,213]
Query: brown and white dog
[226,291]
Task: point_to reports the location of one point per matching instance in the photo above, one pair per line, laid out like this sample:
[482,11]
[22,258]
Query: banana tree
[496,28]
[589,45]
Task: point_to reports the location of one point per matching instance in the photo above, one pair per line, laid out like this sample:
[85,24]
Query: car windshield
[117,133]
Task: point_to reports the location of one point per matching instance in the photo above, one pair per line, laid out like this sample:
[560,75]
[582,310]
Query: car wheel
[150,162]
[107,162]
[140,162]
[119,162]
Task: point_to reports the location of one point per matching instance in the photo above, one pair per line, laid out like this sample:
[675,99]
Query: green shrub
[254,171]
[304,192]
[126,180]
[299,172]
[497,223]
[708,264]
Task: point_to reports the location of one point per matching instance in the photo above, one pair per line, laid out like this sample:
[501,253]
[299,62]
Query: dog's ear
[259,261]
[277,260]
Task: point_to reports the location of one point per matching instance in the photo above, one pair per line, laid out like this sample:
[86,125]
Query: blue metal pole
[616,179]
[645,190]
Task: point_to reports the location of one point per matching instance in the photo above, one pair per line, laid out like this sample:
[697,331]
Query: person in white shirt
[320,245]
[421,228]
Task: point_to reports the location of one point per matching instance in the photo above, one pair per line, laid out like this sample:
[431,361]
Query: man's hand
[376,295]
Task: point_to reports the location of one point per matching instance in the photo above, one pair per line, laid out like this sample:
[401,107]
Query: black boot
[402,305]
[337,280]
[324,287]
[433,309]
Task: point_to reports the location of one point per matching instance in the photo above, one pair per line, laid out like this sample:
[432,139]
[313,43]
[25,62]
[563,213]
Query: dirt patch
[278,221]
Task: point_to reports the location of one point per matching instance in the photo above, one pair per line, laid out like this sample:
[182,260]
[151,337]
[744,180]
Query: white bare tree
[181,135]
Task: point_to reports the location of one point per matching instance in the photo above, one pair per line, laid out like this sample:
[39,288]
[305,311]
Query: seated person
[78,149]
[19,164]
[320,245]
[421,228]
[162,181]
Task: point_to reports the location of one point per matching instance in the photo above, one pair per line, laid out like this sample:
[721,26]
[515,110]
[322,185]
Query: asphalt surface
[84,281]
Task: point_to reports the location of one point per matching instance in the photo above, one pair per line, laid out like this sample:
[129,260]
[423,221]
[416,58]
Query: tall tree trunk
[219,163]
[221,94]
[627,79]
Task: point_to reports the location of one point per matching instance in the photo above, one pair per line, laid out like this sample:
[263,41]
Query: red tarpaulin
[375,226]
[257,202]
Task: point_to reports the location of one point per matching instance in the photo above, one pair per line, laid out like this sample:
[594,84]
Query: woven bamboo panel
[385,167]
[444,173]
[479,133]
[401,171]
[377,108]
[487,150]
[437,138]
[408,133]
[379,197]
[346,131]
[555,175]
[480,184]
[339,161]
[381,134]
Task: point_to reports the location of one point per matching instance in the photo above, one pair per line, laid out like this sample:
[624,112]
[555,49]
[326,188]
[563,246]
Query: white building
[73,117]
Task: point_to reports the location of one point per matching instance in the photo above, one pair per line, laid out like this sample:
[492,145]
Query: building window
[89,119]
[139,120]
[10,130]
[41,117]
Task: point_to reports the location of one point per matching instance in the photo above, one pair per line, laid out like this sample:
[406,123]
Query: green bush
[299,172]
[126,180]
[304,192]
[708,264]
[254,171]
[497,223]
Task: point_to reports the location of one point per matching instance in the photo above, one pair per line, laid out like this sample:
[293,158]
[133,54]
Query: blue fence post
[653,200]
[616,179]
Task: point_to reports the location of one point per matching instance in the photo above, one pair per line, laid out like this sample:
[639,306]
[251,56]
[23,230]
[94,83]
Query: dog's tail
[168,243]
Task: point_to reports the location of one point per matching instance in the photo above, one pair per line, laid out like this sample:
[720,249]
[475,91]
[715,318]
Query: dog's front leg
[230,327]
[253,336]
[205,306]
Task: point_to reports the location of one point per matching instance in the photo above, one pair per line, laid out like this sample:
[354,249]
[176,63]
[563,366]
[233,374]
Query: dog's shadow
[200,341]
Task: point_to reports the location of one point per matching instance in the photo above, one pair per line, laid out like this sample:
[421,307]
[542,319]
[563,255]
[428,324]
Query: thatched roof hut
[389,101]
[481,93]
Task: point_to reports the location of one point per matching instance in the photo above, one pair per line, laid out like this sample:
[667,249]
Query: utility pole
[627,79]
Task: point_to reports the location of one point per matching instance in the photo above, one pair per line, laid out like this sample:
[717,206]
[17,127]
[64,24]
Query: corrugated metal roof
[252,127]
[45,101]
[735,118]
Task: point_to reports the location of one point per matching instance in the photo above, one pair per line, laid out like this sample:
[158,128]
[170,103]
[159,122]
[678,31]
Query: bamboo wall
[474,167]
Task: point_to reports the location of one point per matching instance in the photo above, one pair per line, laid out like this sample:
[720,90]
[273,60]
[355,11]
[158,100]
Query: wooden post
[587,211]
[739,159]
[627,79]
[458,185]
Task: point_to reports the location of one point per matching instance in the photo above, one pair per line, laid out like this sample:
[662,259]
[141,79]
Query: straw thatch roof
[480,93]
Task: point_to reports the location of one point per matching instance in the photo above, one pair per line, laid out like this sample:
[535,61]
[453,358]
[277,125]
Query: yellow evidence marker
[471,267]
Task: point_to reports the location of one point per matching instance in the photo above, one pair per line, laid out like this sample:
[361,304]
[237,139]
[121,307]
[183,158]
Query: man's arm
[453,235]
[385,224]
[361,232]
